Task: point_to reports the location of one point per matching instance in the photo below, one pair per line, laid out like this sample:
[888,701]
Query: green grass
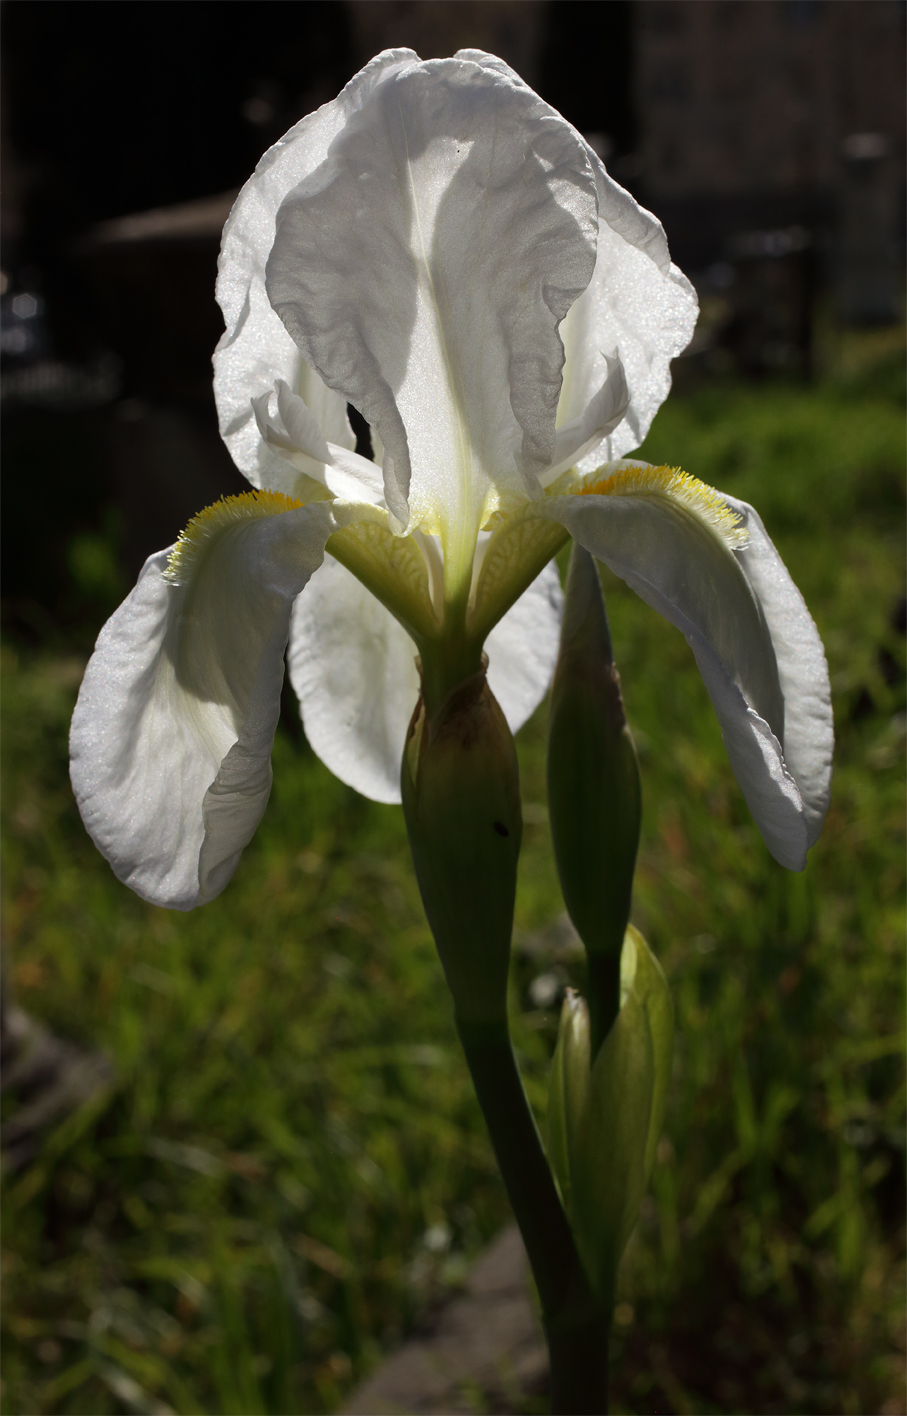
[239,1224]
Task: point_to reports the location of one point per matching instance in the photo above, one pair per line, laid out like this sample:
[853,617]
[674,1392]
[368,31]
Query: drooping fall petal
[171,737]
[673,541]
[802,668]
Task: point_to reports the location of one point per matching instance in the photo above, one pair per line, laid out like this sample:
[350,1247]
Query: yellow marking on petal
[208,524]
[517,552]
[671,482]
[392,567]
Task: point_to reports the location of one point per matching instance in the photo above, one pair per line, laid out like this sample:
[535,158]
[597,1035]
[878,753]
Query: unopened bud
[461,800]
[604,1122]
[594,797]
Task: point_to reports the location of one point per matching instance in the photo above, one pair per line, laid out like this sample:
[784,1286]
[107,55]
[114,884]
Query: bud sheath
[604,1122]
[461,800]
[594,797]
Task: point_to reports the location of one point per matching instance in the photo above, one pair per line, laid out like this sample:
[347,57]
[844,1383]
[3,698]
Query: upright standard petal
[673,541]
[171,737]
[809,733]
[602,414]
[423,268]
[255,349]
[636,303]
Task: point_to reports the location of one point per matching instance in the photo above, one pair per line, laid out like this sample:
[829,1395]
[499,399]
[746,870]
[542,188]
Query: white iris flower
[438,248]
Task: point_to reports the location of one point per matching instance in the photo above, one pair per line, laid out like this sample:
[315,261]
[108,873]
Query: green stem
[576,1323]
[444,664]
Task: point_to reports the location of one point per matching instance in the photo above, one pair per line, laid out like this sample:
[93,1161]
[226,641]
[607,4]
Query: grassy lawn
[289,1170]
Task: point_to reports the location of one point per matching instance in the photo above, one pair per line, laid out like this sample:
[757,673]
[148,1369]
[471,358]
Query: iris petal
[255,349]
[354,671]
[522,648]
[353,667]
[423,268]
[637,302]
[171,737]
[802,669]
[602,414]
[683,566]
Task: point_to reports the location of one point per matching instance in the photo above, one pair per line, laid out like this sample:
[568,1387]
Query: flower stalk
[576,1321]
[461,800]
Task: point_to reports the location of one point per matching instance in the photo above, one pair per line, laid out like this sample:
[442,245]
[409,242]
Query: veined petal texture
[423,268]
[171,738]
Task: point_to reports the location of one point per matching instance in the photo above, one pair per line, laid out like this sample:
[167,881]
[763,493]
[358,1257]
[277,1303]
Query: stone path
[486,1341]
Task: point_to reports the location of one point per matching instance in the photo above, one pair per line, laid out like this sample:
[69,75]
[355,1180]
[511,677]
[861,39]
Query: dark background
[768,137]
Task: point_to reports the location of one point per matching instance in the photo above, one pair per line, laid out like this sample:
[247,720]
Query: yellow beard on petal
[209,524]
[678,486]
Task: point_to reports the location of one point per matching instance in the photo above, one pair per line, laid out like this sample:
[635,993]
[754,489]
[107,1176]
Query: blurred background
[768,137]
[243,1159]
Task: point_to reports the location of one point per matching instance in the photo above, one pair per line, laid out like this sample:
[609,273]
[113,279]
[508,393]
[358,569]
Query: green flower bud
[594,797]
[604,1121]
[461,800]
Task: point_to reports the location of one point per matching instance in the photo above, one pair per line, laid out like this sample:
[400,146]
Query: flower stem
[576,1321]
